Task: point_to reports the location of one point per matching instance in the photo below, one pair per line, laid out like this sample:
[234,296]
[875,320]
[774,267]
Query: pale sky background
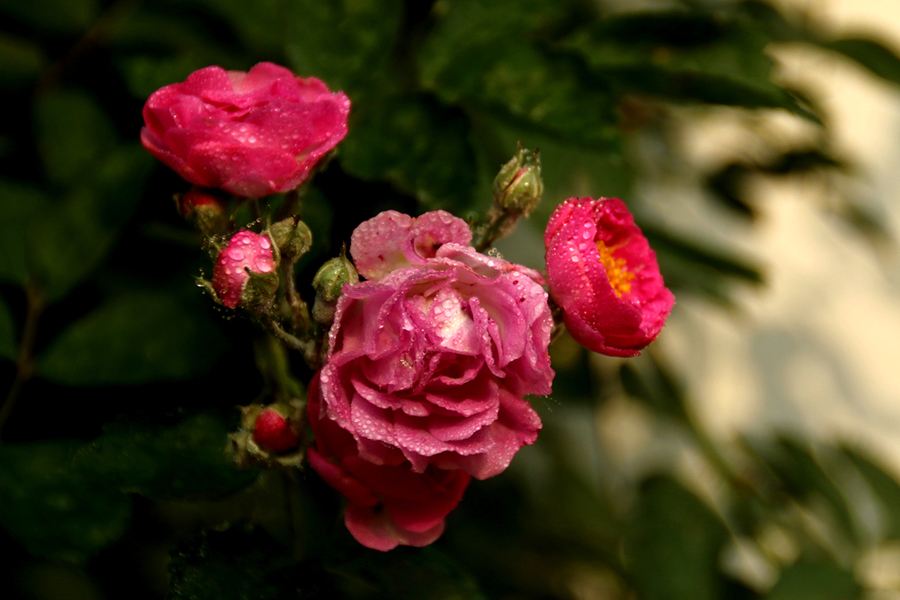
[817,349]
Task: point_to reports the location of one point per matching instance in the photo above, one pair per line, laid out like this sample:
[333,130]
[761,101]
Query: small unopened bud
[273,431]
[244,274]
[518,186]
[204,208]
[328,282]
[293,238]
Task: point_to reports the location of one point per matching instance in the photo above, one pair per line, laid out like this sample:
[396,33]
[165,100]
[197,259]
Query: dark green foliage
[815,581]
[673,543]
[183,459]
[53,509]
[98,311]
[133,338]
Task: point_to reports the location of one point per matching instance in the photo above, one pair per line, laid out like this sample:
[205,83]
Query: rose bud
[293,238]
[244,273]
[205,208]
[250,134]
[604,276]
[274,432]
[328,283]
[518,186]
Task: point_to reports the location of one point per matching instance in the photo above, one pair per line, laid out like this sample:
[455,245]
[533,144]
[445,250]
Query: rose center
[619,277]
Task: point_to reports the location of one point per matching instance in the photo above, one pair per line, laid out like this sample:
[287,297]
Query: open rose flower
[250,134]
[430,360]
[604,276]
[389,504]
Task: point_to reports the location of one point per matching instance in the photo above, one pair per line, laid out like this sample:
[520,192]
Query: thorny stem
[500,223]
[299,309]
[24,365]
[308,348]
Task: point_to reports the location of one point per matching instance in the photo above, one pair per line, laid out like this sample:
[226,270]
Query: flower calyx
[292,237]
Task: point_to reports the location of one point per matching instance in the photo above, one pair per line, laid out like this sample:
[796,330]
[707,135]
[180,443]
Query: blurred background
[753,451]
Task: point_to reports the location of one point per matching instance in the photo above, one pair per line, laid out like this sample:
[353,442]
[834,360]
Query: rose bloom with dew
[251,134]
[429,364]
[604,276]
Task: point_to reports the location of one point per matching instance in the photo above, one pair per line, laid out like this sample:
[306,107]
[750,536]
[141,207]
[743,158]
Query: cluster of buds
[402,451]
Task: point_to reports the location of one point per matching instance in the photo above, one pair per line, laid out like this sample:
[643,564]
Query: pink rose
[389,504]
[250,134]
[604,276]
[430,360]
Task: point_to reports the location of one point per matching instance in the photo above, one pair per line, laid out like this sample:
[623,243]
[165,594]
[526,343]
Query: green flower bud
[292,237]
[518,186]
[328,282]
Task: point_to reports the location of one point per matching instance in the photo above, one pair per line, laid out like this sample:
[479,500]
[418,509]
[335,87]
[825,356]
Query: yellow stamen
[619,277]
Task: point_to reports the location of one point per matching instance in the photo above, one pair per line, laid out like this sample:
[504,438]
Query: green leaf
[234,565]
[179,460]
[698,267]
[674,544]
[416,144]
[885,488]
[872,55]
[22,207]
[803,477]
[135,338]
[73,133]
[21,61]
[349,44]
[69,241]
[155,49]
[51,509]
[815,581]
[684,57]
[7,332]
[487,57]
[55,244]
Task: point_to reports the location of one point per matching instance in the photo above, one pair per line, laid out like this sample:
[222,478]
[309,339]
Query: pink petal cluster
[429,360]
[250,134]
[245,250]
[604,276]
[389,504]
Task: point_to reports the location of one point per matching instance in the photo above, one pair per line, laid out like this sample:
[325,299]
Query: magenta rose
[389,504]
[604,276]
[250,134]
[430,360]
